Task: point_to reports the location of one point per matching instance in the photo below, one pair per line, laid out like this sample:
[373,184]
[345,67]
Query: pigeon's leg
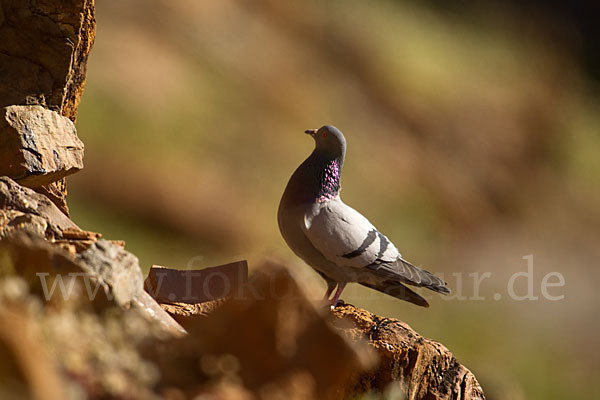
[330,286]
[338,293]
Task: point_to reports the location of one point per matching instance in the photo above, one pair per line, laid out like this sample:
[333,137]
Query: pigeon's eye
[324,134]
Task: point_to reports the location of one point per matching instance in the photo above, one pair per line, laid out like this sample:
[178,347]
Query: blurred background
[473,141]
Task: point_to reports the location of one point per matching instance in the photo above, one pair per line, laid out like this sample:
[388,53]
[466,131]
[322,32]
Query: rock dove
[336,240]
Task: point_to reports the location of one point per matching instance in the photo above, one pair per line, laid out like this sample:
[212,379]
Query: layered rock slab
[38,146]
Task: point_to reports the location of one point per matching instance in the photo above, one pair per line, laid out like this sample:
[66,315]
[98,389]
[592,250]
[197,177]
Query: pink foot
[333,303]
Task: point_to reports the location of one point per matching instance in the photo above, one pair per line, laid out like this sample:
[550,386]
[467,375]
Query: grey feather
[399,291]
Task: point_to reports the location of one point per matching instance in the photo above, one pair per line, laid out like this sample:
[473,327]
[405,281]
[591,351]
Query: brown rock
[168,285]
[56,192]
[78,240]
[184,309]
[189,294]
[271,338]
[105,275]
[79,234]
[119,270]
[103,269]
[424,368]
[26,371]
[94,349]
[12,221]
[116,267]
[38,146]
[228,392]
[52,274]
[152,310]
[184,313]
[44,47]
[23,209]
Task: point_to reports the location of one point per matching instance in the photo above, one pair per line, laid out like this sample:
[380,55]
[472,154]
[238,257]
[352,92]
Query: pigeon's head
[330,140]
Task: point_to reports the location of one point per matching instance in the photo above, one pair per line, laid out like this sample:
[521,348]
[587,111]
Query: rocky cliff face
[95,331]
[44,46]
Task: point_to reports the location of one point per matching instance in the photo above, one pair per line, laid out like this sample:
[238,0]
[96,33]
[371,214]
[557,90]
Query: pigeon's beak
[311,132]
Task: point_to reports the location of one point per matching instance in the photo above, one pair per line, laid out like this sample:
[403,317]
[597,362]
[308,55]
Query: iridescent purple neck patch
[330,182]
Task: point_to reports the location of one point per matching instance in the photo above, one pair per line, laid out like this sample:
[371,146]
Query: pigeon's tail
[399,291]
[423,278]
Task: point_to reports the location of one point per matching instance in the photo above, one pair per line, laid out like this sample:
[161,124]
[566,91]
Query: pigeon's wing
[403,271]
[346,238]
